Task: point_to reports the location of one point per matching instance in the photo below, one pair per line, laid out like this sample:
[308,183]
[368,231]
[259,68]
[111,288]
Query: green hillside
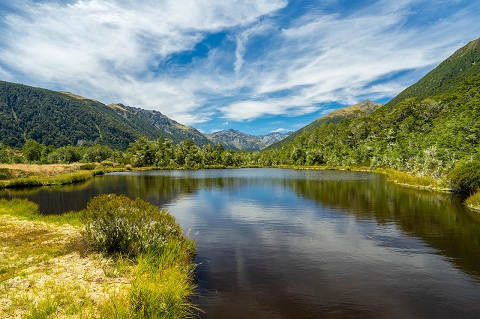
[461,65]
[426,135]
[62,118]
[354,111]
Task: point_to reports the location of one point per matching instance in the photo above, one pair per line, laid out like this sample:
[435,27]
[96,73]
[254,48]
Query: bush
[88,166]
[117,224]
[465,177]
[474,201]
[5,173]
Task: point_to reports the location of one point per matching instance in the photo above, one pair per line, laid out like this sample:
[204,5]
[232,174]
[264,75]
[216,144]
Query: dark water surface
[278,243]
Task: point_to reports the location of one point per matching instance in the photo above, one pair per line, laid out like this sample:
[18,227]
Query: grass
[161,288]
[398,177]
[473,201]
[48,271]
[408,179]
[34,175]
[48,180]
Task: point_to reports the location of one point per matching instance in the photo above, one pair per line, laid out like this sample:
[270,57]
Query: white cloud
[279,130]
[119,51]
[106,49]
[336,58]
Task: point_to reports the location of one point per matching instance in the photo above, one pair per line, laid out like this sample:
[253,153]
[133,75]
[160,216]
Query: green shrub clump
[465,177]
[5,173]
[88,166]
[117,224]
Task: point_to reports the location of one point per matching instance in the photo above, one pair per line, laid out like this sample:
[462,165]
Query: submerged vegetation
[50,268]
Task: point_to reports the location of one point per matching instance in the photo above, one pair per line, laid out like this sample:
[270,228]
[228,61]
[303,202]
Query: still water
[276,243]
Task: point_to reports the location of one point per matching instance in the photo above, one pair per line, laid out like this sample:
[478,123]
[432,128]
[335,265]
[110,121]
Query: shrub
[107,164]
[117,224]
[465,177]
[474,201]
[88,166]
[5,173]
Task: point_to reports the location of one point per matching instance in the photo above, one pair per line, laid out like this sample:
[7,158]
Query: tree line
[161,152]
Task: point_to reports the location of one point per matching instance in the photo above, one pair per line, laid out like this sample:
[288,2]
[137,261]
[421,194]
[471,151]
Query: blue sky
[258,66]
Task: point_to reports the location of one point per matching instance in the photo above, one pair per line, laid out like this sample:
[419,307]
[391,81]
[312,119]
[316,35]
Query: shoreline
[78,175]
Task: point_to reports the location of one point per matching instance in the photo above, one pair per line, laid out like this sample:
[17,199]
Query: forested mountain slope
[461,65]
[62,118]
[427,135]
[354,111]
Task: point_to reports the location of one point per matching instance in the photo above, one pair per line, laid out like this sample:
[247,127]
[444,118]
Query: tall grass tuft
[474,201]
[163,285]
[117,224]
[465,177]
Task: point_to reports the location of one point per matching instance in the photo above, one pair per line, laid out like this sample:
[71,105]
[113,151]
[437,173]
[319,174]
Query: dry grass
[20,170]
[44,271]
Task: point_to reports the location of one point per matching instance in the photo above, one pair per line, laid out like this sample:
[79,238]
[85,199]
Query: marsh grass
[409,179]
[47,270]
[162,286]
[473,201]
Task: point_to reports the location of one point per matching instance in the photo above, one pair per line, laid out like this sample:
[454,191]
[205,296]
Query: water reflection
[309,244]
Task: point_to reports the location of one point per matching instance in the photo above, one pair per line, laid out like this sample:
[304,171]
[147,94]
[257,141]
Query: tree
[32,150]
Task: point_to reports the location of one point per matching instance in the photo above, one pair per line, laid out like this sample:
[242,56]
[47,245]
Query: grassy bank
[473,202]
[397,177]
[410,180]
[48,269]
[33,175]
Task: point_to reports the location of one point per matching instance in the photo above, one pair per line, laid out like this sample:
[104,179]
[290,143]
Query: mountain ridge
[462,64]
[64,118]
[431,128]
[356,110]
[237,140]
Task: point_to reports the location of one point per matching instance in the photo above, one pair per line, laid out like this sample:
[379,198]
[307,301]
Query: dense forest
[61,118]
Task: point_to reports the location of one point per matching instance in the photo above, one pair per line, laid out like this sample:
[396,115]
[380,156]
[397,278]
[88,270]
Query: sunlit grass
[162,287]
[474,201]
[405,178]
[48,180]
[48,271]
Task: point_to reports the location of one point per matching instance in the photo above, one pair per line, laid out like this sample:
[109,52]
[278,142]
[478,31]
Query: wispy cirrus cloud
[205,61]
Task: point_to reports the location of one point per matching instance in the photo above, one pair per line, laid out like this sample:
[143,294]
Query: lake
[280,243]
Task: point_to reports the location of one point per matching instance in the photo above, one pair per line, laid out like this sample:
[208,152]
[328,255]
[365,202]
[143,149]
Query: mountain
[237,140]
[462,64]
[62,118]
[427,129]
[166,127]
[354,111]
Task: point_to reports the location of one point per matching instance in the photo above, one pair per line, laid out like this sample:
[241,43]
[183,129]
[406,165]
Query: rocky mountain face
[167,127]
[237,140]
